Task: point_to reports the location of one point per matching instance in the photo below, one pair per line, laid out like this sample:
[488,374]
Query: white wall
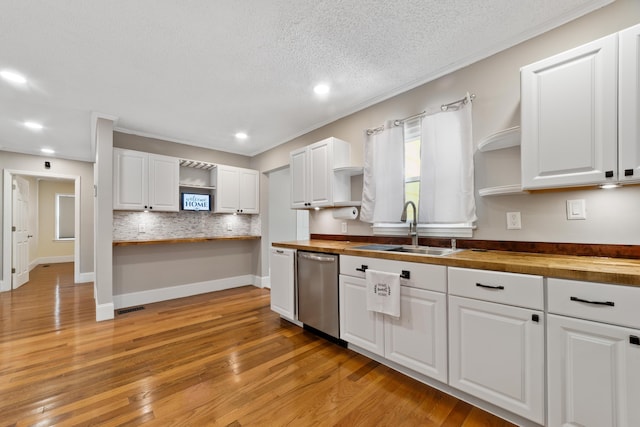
[48,246]
[496,82]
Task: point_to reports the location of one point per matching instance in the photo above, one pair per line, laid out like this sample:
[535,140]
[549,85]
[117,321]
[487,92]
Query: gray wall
[35,164]
[142,268]
[496,82]
[148,267]
[174,149]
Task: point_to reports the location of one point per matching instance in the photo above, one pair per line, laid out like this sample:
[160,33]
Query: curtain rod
[443,107]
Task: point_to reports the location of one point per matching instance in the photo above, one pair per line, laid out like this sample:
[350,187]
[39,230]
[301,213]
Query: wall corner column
[103,217]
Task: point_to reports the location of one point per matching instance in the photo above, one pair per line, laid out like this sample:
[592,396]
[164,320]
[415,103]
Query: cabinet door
[227,189]
[299,181]
[281,264]
[130,179]
[569,117]
[496,353]
[164,177]
[321,174]
[629,105]
[249,191]
[358,325]
[418,339]
[594,374]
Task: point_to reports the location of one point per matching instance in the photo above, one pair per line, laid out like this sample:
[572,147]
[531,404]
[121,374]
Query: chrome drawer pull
[609,303]
[489,286]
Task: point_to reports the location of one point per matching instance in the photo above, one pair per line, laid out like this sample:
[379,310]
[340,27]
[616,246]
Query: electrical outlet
[142,228]
[343,227]
[513,221]
[229,228]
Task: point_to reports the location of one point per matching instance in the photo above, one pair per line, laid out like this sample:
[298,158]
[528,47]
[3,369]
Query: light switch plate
[576,209]
[142,228]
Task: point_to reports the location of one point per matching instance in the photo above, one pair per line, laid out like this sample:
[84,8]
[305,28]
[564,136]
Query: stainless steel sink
[422,250]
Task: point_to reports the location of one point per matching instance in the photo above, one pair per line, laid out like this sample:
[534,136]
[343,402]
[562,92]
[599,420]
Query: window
[413,179]
[412,164]
[65,216]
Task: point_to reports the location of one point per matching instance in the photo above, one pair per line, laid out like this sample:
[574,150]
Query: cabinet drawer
[506,288]
[601,302]
[421,276]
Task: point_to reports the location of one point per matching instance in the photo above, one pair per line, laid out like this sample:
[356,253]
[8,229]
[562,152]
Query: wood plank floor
[220,359]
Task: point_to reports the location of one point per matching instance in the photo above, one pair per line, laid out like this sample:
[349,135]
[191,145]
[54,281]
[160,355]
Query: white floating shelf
[501,190]
[201,187]
[350,170]
[347,204]
[503,139]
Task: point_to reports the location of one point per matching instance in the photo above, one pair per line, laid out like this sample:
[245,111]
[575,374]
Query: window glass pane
[65,216]
[412,160]
[411,191]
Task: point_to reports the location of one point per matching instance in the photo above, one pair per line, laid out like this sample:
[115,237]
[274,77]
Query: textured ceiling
[199,71]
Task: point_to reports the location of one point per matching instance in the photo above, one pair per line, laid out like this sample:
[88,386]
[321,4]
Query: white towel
[383,292]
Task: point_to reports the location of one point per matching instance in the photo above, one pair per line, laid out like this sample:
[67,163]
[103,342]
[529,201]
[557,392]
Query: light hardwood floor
[219,359]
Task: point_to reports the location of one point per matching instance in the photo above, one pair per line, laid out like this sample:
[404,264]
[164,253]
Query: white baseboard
[85,277]
[104,312]
[53,259]
[172,292]
[2,288]
[265,282]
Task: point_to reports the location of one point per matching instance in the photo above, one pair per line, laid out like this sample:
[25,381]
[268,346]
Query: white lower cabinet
[418,338]
[358,325]
[282,275]
[496,350]
[593,376]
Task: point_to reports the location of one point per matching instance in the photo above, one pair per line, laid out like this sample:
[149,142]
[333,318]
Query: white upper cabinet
[315,180]
[145,181]
[629,106]
[581,115]
[237,190]
[569,117]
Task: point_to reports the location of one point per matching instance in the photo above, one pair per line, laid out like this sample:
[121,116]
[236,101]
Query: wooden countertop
[181,240]
[618,271]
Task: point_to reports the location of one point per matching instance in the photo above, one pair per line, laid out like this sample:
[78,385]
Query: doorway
[8,222]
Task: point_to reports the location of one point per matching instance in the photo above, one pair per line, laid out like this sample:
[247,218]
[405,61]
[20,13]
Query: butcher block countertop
[618,271]
[180,240]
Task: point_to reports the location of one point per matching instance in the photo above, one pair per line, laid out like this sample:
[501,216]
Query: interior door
[20,227]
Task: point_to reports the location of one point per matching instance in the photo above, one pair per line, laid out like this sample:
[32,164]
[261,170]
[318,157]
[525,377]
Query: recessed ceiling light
[13,77]
[321,89]
[33,125]
[241,135]
[47,150]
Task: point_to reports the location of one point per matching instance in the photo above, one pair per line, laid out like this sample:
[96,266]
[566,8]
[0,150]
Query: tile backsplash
[170,225]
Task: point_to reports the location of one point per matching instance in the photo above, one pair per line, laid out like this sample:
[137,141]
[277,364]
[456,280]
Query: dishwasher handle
[316,257]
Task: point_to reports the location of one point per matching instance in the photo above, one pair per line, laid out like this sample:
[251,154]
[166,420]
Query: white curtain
[383,181]
[446,184]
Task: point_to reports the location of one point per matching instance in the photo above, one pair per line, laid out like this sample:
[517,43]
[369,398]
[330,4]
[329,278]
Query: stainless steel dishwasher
[317,283]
